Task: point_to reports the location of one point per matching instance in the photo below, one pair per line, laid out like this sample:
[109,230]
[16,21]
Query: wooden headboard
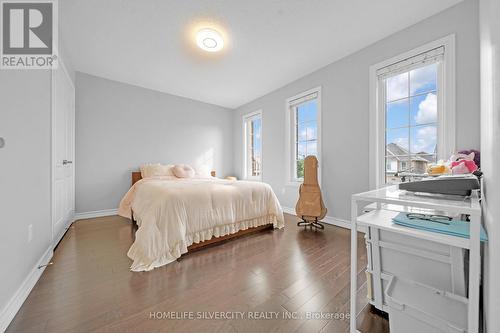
[136,176]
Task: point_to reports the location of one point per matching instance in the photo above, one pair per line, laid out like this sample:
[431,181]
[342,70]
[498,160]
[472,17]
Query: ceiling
[150,43]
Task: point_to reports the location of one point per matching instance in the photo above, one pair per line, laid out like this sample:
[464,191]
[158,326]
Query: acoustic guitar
[310,207]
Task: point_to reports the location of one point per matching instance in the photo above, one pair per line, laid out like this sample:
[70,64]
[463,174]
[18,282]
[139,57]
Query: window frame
[446,107]
[290,140]
[246,118]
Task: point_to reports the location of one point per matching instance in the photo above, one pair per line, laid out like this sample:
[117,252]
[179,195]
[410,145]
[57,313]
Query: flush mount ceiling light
[209,40]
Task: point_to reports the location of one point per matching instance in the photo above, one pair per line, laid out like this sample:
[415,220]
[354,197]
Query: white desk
[382,219]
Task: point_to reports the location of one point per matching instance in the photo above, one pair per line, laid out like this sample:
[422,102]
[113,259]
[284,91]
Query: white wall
[345,146]
[119,127]
[24,176]
[490,154]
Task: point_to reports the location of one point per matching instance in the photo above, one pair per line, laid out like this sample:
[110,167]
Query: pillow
[203,171]
[168,170]
[153,170]
[183,171]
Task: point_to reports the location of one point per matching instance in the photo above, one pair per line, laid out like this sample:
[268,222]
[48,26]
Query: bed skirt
[143,262]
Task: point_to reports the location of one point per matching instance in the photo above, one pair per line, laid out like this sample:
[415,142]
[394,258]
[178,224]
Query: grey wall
[490,156]
[119,127]
[345,105]
[24,175]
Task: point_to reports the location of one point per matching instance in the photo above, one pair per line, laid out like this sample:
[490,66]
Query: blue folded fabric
[457,228]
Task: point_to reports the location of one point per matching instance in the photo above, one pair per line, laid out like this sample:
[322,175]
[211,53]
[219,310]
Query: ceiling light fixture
[209,40]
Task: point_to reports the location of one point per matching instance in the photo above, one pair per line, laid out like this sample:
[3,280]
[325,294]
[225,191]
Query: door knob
[67,162]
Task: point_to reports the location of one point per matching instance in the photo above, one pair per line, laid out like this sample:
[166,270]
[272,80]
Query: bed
[176,215]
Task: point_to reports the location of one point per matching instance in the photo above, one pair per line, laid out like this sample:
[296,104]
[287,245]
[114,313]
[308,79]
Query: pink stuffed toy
[462,164]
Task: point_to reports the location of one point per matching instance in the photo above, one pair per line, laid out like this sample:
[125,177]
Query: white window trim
[289,138]
[446,118]
[245,118]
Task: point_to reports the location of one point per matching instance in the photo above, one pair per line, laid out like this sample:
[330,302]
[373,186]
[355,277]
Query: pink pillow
[183,171]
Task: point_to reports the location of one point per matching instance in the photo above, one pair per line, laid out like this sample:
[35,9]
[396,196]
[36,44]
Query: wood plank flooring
[293,271]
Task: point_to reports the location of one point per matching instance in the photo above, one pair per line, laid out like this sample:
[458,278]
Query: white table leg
[354,263]
[474,274]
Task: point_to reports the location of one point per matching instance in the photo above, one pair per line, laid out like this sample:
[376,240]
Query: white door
[63,145]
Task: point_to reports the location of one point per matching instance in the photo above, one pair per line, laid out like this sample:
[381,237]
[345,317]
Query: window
[414,112]
[411,120]
[303,114]
[252,161]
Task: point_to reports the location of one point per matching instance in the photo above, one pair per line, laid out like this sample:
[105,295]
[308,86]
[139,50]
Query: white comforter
[174,213]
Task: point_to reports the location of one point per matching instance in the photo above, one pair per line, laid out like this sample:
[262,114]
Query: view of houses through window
[411,106]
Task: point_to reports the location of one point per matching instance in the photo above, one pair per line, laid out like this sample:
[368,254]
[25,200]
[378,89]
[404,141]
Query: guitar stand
[311,224]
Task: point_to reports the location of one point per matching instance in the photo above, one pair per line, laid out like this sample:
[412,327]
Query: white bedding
[174,213]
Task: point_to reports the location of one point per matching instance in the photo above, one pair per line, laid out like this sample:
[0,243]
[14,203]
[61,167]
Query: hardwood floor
[291,271]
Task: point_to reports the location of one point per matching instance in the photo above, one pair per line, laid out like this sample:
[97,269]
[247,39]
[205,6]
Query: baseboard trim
[288,210]
[328,220]
[10,310]
[96,213]
[110,212]
[338,222]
